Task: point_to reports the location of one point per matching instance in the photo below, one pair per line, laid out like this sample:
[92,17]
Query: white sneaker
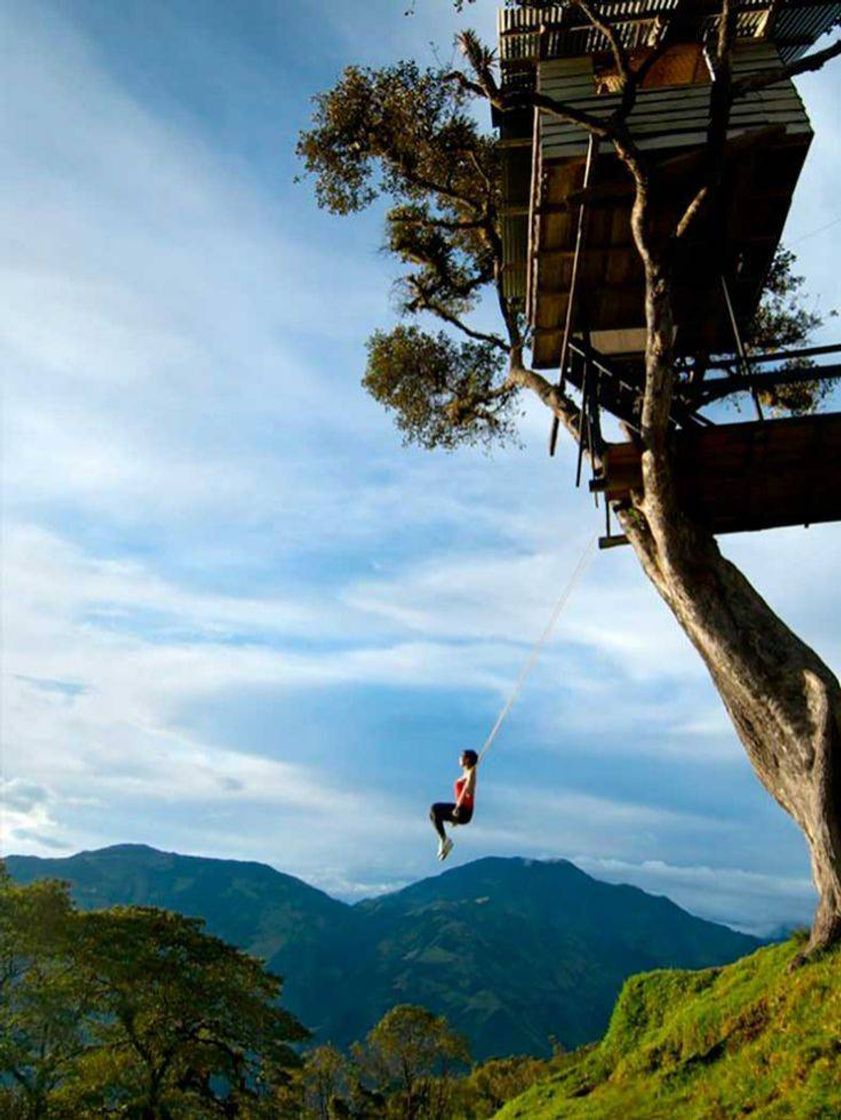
[444,848]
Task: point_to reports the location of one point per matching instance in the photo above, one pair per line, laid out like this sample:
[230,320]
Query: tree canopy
[405,132]
[132,1012]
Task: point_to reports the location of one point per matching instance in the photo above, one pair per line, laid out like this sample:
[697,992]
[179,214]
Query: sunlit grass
[753,1038]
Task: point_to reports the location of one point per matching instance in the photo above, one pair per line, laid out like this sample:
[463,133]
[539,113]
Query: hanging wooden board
[742,477]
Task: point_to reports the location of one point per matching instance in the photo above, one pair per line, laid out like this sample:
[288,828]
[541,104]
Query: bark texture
[785,703]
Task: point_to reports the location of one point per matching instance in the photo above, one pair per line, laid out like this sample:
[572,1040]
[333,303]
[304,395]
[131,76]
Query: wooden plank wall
[669,116]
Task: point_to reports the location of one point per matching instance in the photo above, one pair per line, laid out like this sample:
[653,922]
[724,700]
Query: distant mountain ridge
[512,950]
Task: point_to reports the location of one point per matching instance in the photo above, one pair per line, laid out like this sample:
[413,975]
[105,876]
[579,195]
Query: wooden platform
[741,477]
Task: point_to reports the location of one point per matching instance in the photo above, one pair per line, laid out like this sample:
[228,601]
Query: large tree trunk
[784,702]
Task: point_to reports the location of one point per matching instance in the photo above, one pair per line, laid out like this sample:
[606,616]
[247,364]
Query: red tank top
[458,786]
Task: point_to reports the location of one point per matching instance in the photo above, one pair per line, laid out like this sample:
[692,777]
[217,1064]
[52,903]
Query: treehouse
[569,253]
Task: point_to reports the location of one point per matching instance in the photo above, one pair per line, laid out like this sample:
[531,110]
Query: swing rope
[578,572]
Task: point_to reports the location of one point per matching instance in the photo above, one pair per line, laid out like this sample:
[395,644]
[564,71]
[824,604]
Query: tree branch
[603,24]
[444,278]
[443,223]
[734,147]
[667,37]
[126,1017]
[692,212]
[434,308]
[520,376]
[525,99]
[438,188]
[631,79]
[480,60]
[509,315]
[469,86]
[772,77]
[721,100]
[726,32]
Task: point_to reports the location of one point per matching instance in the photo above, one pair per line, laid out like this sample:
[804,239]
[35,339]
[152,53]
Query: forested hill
[513,951]
[248,904]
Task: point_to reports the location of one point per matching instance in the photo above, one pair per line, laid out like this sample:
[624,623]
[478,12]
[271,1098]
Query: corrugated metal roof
[562,31]
[795,22]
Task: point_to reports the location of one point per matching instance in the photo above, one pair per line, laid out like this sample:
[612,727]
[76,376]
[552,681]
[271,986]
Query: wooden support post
[596,439]
[740,347]
[581,234]
[584,433]
[720,387]
[535,188]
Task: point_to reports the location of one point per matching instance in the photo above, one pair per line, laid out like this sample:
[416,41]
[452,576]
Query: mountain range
[515,952]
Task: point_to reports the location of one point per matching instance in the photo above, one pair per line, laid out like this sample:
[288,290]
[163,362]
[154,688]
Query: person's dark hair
[470,758]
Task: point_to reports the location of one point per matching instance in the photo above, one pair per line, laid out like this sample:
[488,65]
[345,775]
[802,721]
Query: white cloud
[755,902]
[151,305]
[511,598]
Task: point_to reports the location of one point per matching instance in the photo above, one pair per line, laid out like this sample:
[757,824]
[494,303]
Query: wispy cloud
[153,309]
[763,902]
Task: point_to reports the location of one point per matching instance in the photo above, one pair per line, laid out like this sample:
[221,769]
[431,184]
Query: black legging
[442,811]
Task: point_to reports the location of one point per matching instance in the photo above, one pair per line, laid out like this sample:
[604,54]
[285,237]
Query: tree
[324,1082]
[494,1082]
[782,320]
[411,1057]
[410,134]
[185,1024]
[132,1012]
[43,1000]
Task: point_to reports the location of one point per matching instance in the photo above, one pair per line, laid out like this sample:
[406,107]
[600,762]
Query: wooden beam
[602,192]
[536,185]
[613,289]
[780,356]
[721,387]
[613,541]
[740,348]
[574,201]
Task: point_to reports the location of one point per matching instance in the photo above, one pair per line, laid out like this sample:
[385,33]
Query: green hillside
[749,1039]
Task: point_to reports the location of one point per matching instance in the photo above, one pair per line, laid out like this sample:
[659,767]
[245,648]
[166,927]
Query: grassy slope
[748,1039]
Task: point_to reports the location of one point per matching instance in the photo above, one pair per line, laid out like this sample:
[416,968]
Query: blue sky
[240,618]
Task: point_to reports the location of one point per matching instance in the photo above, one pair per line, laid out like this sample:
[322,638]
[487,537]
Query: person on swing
[461,810]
